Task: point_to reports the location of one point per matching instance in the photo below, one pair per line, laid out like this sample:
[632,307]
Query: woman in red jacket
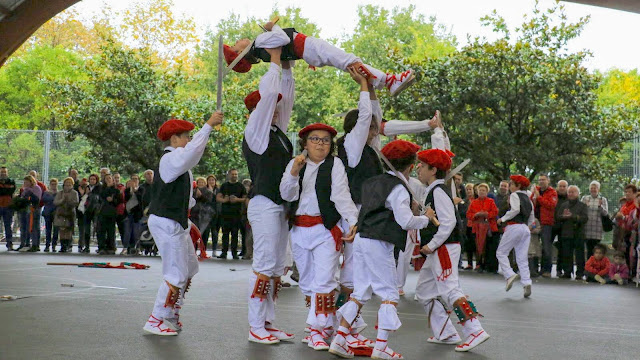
[482,216]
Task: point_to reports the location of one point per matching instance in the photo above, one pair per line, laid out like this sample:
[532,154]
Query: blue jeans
[25,234]
[50,230]
[547,248]
[35,234]
[7,215]
[132,230]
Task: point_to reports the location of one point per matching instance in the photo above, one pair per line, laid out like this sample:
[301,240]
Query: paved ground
[563,320]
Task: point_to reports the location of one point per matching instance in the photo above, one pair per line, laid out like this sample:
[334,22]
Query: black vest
[427,233]
[375,220]
[287,50]
[266,170]
[525,209]
[330,215]
[171,200]
[368,167]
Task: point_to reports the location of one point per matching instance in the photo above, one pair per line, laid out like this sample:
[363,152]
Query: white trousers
[374,272]
[517,237]
[429,288]
[318,53]
[314,251]
[270,240]
[404,259]
[179,261]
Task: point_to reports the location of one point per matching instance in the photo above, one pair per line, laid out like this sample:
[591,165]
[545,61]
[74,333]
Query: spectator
[561,189]
[38,210]
[535,246]
[231,196]
[213,223]
[618,229]
[460,189]
[598,207]
[625,222]
[120,209]
[73,174]
[202,212]
[7,189]
[146,188]
[502,198]
[469,243]
[572,216]
[66,202]
[83,195]
[618,269]
[32,193]
[482,214]
[77,183]
[110,198]
[48,213]
[597,267]
[90,203]
[104,171]
[247,235]
[545,199]
[133,211]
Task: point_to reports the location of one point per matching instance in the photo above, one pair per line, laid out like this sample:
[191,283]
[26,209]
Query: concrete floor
[563,319]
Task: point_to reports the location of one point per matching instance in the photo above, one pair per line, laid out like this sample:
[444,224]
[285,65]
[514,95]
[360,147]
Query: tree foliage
[525,105]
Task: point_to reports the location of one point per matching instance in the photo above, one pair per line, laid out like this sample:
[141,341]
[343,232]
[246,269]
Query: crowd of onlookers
[572,224]
[101,206]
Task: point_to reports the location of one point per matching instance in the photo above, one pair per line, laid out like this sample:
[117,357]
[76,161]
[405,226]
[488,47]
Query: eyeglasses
[319,140]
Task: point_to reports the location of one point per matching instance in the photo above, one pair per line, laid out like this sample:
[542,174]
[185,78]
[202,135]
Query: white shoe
[358,340]
[511,280]
[341,349]
[307,329]
[473,340]
[401,292]
[268,340]
[451,340]
[396,83]
[281,335]
[174,323]
[158,327]
[318,343]
[386,353]
[305,340]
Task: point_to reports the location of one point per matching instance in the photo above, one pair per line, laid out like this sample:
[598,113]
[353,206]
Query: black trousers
[573,247]
[490,248]
[230,227]
[121,228]
[106,233]
[590,243]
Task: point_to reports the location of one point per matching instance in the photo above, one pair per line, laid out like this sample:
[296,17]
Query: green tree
[526,105]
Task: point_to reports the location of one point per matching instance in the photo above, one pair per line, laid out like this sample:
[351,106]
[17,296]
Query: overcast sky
[611,34]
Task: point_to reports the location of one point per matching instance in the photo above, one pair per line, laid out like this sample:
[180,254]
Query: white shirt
[257,131]
[439,140]
[356,139]
[272,39]
[514,201]
[445,212]
[308,204]
[183,159]
[419,190]
[398,202]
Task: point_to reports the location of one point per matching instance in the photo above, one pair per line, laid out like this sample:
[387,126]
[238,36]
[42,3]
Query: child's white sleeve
[398,127]
[272,39]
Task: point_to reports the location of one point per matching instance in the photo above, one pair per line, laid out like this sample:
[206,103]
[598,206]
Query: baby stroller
[146,244]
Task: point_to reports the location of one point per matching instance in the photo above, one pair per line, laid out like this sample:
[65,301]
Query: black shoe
[34,249]
[222,256]
[79,249]
[9,247]
[235,257]
[86,250]
[102,252]
[46,249]
[565,276]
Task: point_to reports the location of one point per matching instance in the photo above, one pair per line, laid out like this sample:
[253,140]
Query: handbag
[607,223]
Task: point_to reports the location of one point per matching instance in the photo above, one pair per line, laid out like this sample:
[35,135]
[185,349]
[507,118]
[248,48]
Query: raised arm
[257,131]
[288,96]
[181,160]
[340,194]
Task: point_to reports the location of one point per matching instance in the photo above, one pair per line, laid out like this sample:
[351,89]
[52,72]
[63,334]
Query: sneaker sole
[342,355]
[404,85]
[510,284]
[474,346]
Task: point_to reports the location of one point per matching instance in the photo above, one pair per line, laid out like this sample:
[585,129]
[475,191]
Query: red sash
[309,221]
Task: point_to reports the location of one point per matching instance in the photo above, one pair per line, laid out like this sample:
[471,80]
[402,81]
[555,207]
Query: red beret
[399,149]
[174,127]
[451,154]
[318,126]
[242,66]
[436,158]
[251,101]
[520,180]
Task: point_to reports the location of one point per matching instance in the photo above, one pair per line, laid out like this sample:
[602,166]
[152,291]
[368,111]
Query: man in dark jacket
[571,217]
[146,188]
[7,189]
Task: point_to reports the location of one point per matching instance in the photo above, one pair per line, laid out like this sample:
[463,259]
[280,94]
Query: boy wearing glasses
[171,199]
[318,188]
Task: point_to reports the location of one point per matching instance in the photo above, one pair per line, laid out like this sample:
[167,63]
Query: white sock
[343,330]
[381,341]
